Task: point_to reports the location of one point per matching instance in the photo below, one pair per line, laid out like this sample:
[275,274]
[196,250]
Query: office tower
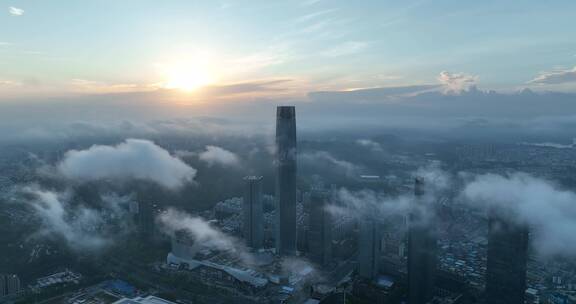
[368,249]
[422,251]
[320,227]
[143,215]
[507,258]
[253,212]
[286,180]
[9,284]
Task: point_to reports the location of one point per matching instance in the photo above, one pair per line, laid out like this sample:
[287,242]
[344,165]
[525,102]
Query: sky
[59,47]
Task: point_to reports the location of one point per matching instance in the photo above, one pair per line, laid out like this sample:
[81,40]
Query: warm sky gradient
[280,48]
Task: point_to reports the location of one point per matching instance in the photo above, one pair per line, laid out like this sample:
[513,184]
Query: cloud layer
[456,82]
[132,159]
[202,232]
[214,155]
[77,225]
[556,77]
[550,212]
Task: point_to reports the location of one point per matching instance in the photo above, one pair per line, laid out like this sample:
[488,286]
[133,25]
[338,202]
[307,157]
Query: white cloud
[204,234]
[9,83]
[134,158]
[310,2]
[323,158]
[14,11]
[372,145]
[555,77]
[76,225]
[218,156]
[456,82]
[347,48]
[550,212]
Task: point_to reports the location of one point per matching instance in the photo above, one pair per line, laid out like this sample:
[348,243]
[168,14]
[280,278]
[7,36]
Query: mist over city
[305,152]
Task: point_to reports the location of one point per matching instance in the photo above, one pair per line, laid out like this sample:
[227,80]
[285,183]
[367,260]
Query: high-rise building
[507,259]
[9,284]
[286,180]
[422,251]
[368,249]
[320,227]
[253,212]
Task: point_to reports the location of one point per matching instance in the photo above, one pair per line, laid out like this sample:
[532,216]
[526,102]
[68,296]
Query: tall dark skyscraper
[422,252]
[507,259]
[286,180]
[368,249]
[320,228]
[252,211]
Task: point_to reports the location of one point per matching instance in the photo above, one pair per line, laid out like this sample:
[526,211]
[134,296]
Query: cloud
[372,145]
[549,211]
[555,77]
[14,11]
[77,225]
[9,83]
[132,159]
[203,234]
[347,48]
[314,15]
[99,87]
[214,155]
[456,82]
[310,2]
[368,204]
[372,95]
[323,158]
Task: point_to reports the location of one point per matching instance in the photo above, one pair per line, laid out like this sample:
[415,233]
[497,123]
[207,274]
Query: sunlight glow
[188,75]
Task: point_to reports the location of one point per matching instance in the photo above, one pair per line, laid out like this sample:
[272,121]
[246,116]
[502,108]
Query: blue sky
[61,47]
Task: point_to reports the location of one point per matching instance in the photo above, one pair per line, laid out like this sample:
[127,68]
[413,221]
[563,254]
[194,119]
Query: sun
[187,76]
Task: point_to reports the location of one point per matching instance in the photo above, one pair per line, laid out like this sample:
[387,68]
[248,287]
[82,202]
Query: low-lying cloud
[132,159]
[323,158]
[214,155]
[77,225]
[549,211]
[204,234]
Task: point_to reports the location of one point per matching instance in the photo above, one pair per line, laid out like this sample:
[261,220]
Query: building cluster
[379,265]
[297,250]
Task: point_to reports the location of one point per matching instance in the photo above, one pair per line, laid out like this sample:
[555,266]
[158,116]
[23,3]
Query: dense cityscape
[398,231]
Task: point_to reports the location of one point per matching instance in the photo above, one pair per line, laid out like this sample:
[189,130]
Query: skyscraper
[286,180]
[320,228]
[507,259]
[9,284]
[368,249]
[253,212]
[422,252]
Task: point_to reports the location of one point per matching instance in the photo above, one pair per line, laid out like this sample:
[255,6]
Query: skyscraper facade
[320,227]
[9,284]
[507,259]
[422,251]
[368,249]
[253,218]
[286,180]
